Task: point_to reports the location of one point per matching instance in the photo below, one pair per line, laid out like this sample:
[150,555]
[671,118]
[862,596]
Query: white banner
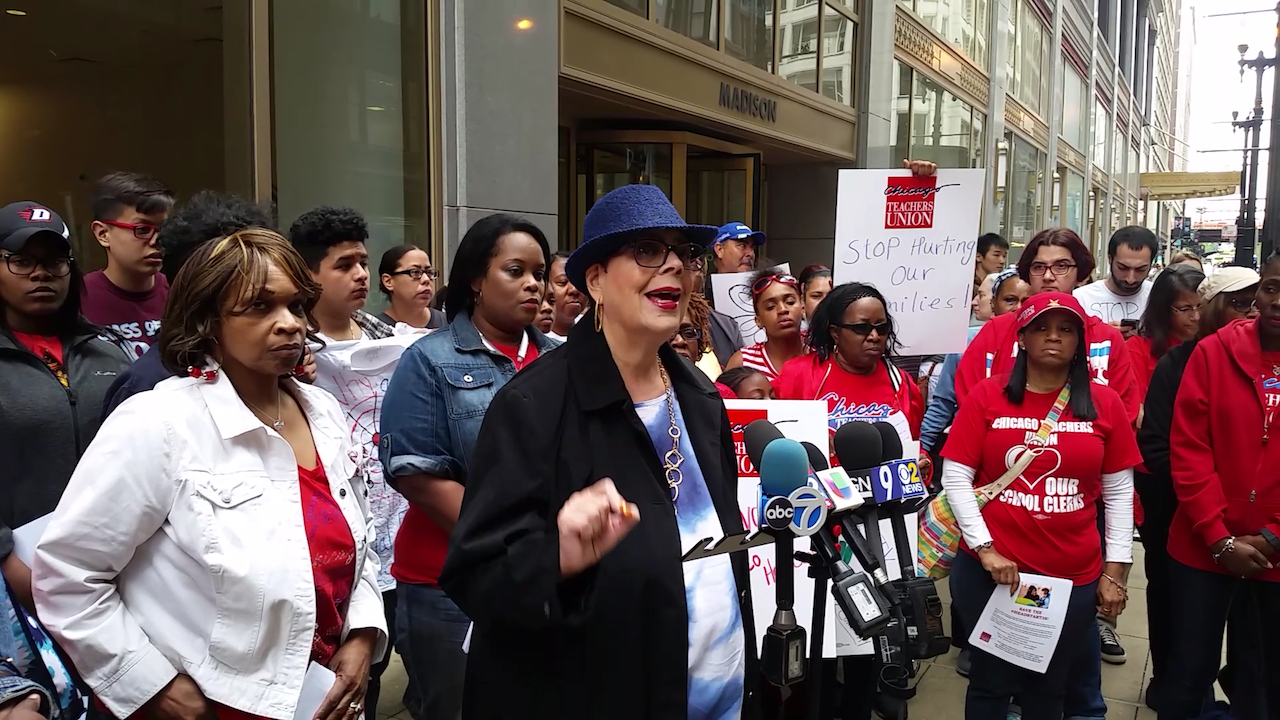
[731,295]
[915,240]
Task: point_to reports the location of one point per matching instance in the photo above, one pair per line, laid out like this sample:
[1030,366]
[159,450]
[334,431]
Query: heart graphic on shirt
[1011,457]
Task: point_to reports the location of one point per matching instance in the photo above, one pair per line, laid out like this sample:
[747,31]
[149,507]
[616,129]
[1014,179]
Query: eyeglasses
[24,265]
[691,334]
[417,273]
[142,231]
[654,254]
[864,328]
[1241,304]
[763,283]
[1062,267]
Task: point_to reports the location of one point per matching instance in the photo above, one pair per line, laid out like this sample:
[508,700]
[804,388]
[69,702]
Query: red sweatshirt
[1226,471]
[995,348]
[881,395]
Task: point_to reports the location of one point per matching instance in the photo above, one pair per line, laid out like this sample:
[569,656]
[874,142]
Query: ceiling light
[524,24]
[15,12]
[375,108]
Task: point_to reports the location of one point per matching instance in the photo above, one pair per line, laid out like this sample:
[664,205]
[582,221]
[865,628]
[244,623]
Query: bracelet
[984,546]
[1228,546]
[1117,583]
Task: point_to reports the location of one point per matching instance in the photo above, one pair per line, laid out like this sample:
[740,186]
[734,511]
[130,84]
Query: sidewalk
[941,690]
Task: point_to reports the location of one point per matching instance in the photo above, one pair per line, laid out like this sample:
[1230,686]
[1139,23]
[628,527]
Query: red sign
[738,420]
[908,202]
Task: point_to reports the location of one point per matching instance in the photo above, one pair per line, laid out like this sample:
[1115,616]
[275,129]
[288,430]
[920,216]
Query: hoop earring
[599,317]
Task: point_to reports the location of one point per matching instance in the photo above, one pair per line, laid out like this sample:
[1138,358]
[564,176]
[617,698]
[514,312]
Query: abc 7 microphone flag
[803,512]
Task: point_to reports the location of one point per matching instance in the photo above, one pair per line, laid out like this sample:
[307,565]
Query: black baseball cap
[21,221]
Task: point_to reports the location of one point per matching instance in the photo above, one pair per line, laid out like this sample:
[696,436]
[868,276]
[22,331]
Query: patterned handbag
[939,536]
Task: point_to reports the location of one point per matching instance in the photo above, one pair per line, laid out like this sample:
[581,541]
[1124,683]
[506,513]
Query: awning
[1184,185]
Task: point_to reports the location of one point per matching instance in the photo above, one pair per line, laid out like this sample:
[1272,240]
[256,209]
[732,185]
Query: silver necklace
[278,422]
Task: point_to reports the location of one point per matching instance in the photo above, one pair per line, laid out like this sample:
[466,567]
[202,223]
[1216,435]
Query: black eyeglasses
[1241,304]
[864,328]
[691,334]
[654,253]
[1062,267]
[417,273]
[24,265]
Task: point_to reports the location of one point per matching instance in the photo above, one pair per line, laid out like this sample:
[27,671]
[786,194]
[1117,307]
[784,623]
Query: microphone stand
[817,624]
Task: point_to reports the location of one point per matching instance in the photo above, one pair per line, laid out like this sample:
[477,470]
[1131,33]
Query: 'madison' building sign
[748,103]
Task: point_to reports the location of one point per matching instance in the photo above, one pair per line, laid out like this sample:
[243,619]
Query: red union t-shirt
[1046,521]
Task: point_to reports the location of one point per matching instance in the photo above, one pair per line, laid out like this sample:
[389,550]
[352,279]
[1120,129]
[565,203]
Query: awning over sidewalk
[1184,185]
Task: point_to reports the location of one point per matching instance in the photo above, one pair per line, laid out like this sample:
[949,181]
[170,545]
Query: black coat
[613,641]
[1156,487]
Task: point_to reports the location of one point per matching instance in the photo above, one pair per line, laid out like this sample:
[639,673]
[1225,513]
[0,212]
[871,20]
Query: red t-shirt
[49,349]
[870,398]
[135,315]
[1270,385]
[513,352]
[1046,521]
[333,559]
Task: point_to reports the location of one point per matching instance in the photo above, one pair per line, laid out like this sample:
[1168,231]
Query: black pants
[1200,607]
[375,672]
[1158,506]
[993,682]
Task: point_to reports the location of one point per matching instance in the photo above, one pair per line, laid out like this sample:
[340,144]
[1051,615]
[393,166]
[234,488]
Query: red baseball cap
[1037,305]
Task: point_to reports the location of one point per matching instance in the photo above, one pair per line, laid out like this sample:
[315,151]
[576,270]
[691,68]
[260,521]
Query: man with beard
[1121,298]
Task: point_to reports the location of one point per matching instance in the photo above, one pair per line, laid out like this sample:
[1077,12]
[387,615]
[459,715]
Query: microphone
[817,458]
[756,436]
[784,470]
[859,445]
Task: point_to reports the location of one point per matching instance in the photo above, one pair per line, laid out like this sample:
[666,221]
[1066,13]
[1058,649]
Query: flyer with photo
[1023,628]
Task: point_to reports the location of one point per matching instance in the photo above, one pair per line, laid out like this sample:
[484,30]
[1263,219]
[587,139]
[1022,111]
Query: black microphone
[817,458]
[859,445]
[756,436]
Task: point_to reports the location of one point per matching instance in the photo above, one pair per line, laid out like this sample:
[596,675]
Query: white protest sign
[914,239]
[731,295]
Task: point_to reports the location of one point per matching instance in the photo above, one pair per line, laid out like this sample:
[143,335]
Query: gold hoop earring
[599,317]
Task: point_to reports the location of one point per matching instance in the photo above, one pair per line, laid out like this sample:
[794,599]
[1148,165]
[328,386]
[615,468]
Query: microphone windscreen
[756,436]
[784,466]
[817,458]
[858,445]
[890,442]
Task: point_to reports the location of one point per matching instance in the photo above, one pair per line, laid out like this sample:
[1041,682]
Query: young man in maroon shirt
[129,295]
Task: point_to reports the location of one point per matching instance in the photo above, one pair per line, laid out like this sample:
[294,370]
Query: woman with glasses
[1081,457]
[594,471]
[851,343]
[408,280]
[431,417]
[779,312]
[693,339]
[55,370]
[1172,316]
[1220,300]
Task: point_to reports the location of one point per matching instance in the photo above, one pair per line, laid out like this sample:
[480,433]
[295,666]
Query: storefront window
[1073,201]
[962,22]
[1101,121]
[350,127]
[837,57]
[1025,194]
[941,125]
[1073,107]
[799,62]
[900,122]
[639,7]
[748,31]
[978,143]
[692,18]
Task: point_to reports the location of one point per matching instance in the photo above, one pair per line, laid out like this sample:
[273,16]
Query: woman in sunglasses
[54,370]
[693,339]
[779,312]
[594,470]
[408,280]
[851,340]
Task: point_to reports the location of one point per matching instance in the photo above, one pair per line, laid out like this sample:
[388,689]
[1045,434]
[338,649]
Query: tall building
[426,116]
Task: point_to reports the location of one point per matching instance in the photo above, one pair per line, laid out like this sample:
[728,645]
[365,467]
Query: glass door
[721,189]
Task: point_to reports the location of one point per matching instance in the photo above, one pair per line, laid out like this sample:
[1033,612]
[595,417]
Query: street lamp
[1246,238]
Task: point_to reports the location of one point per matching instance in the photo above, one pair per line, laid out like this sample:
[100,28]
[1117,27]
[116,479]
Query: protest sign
[731,295]
[915,240]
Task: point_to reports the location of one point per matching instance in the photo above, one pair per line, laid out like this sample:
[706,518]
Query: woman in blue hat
[582,610]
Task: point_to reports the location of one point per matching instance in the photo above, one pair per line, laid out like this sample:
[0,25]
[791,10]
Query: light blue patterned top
[716,650]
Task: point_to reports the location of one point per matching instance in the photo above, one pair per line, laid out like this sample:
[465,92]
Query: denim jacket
[437,399]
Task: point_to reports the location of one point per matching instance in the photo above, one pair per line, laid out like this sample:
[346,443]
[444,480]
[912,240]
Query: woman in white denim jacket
[215,538]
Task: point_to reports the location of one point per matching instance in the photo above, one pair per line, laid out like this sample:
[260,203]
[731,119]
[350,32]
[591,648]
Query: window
[799,62]
[1073,201]
[748,31]
[692,18]
[639,7]
[962,22]
[1101,121]
[837,57]
[1073,107]
[1025,194]
[930,123]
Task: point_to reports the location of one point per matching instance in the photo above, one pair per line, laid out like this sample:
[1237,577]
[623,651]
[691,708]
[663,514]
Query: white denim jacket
[179,547]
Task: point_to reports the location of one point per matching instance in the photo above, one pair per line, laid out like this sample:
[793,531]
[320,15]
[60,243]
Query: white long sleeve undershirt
[1117,500]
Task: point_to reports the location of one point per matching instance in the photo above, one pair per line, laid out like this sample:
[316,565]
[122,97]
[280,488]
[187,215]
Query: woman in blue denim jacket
[431,416]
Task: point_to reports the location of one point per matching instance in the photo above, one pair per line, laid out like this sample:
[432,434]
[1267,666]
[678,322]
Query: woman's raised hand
[592,522]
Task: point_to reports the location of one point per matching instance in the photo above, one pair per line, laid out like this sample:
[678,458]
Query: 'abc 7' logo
[804,511]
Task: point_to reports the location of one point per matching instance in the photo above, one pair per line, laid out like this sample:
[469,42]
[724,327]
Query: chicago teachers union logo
[841,411]
[908,201]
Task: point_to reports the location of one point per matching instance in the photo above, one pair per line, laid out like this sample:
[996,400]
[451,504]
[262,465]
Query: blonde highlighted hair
[220,279]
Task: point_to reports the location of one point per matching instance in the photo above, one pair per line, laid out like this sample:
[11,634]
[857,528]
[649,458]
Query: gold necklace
[673,459]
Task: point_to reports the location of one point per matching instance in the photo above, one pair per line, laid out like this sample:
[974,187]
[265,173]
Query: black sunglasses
[864,328]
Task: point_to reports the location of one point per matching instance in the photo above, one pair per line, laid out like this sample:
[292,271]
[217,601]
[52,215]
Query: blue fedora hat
[618,216]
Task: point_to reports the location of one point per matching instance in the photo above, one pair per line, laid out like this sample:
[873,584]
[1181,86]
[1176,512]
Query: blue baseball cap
[738,231]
